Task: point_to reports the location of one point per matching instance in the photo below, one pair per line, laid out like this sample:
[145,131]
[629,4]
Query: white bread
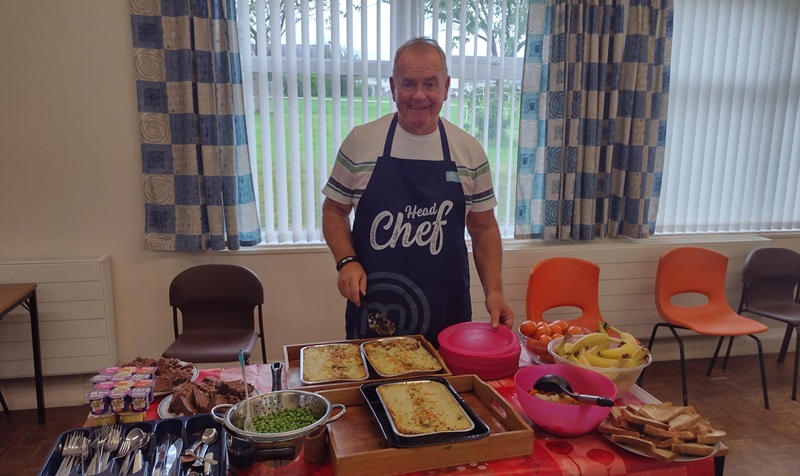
[712,437]
[684,421]
[615,416]
[663,454]
[662,433]
[609,429]
[638,419]
[693,449]
[635,443]
[663,412]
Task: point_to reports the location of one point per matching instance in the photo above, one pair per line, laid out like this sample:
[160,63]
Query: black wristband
[345,260]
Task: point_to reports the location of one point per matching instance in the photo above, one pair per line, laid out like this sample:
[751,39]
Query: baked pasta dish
[328,362]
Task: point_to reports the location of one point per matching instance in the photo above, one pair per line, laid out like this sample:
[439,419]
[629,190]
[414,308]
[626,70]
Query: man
[415,182]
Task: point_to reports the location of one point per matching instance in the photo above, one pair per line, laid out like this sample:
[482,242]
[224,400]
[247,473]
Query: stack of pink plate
[477,348]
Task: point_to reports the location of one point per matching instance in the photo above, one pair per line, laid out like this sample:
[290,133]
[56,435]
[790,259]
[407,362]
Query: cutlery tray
[188,428]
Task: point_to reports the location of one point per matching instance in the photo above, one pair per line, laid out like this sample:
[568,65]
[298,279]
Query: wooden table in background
[11,296]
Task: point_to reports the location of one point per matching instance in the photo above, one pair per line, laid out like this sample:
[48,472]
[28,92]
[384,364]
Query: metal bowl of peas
[278,416]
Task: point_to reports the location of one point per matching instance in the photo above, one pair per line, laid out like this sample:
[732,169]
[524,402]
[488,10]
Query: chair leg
[727,353]
[787,336]
[5,407]
[796,361]
[683,366]
[650,348]
[714,357]
[763,370]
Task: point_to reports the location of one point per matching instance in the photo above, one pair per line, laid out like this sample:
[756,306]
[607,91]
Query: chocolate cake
[192,398]
[169,372]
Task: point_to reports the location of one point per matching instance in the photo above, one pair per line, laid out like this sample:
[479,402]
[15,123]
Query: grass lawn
[500,167]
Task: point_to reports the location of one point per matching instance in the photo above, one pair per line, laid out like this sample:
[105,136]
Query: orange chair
[702,271]
[564,282]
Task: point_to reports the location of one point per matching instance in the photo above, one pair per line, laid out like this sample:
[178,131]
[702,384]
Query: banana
[588,341]
[598,361]
[582,358]
[638,357]
[599,347]
[627,347]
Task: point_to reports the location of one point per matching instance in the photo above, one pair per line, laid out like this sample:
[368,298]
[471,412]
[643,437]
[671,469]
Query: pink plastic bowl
[477,348]
[558,418]
[479,339]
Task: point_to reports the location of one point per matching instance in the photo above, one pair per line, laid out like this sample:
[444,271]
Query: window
[316,69]
[733,135]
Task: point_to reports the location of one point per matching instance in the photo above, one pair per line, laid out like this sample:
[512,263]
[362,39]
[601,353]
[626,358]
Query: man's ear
[391,87]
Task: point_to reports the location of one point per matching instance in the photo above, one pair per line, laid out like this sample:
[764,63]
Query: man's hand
[352,282]
[499,311]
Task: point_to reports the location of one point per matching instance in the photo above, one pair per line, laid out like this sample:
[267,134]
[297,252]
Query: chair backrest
[691,269]
[770,275]
[216,296]
[564,282]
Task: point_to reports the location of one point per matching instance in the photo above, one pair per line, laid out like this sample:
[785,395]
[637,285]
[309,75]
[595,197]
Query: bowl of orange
[536,335]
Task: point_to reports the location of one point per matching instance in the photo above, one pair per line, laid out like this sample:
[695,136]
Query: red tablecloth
[587,455]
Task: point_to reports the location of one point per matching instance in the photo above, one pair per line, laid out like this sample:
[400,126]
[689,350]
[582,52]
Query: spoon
[248,421]
[190,452]
[379,323]
[207,439]
[557,383]
[135,438]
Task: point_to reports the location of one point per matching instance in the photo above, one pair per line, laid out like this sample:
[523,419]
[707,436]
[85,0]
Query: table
[24,294]
[553,456]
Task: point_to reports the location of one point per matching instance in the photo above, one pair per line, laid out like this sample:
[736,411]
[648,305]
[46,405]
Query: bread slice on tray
[694,449]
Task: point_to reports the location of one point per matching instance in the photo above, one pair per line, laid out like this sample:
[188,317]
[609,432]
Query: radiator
[76,316]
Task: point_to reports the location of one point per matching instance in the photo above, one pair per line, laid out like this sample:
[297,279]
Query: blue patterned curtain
[198,185]
[593,121]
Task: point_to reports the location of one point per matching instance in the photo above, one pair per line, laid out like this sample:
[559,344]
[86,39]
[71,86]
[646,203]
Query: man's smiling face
[419,88]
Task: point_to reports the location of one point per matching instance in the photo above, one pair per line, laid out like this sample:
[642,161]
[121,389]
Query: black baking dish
[370,393]
[188,428]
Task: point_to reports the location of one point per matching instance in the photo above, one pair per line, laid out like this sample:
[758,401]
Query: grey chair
[218,305]
[771,288]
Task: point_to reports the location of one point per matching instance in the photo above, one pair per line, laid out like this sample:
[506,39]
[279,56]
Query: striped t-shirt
[360,150]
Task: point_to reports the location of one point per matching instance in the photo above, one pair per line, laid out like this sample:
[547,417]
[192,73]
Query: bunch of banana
[595,349]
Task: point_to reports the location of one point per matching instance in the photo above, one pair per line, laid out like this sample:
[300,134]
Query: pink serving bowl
[477,348]
[558,418]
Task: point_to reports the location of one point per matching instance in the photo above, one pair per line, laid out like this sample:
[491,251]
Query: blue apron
[408,233]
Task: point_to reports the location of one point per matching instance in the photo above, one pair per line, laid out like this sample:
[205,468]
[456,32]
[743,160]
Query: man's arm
[352,280]
[487,252]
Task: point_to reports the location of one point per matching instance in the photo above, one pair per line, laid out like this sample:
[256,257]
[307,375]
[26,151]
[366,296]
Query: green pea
[281,421]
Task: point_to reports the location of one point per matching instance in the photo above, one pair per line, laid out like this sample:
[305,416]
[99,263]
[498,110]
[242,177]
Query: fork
[71,452]
[111,444]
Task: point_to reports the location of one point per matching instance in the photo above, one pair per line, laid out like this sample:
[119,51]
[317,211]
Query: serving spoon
[248,420]
[378,322]
[557,383]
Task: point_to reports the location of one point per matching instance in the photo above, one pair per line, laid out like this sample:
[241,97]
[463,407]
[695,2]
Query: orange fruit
[528,328]
[574,330]
[542,331]
[554,328]
[564,325]
[545,339]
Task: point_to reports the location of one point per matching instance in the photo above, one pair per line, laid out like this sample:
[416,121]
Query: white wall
[70,184]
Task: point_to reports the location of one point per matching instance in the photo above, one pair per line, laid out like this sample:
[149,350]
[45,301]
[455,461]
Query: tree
[477,20]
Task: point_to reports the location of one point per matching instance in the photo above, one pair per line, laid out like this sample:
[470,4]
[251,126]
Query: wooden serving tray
[294,381]
[357,446]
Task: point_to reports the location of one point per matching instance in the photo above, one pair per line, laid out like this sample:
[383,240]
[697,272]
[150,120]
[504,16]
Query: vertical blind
[732,159]
[316,69]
